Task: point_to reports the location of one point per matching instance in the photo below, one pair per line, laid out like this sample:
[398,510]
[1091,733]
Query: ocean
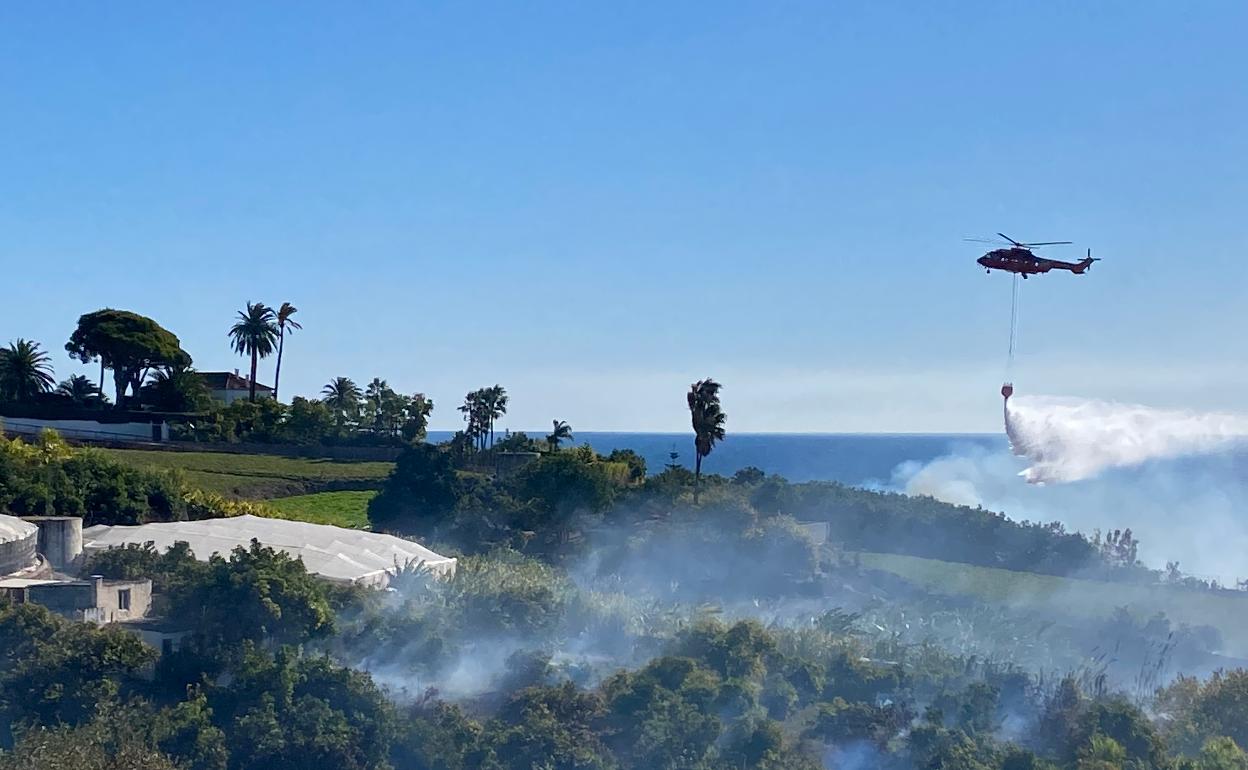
[865,460]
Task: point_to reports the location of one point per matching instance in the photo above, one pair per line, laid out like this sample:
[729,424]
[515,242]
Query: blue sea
[866,460]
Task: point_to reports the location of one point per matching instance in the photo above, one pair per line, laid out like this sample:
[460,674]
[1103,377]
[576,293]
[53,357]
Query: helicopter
[1017,257]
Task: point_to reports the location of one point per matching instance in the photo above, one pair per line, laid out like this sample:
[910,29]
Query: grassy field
[1045,594]
[259,477]
[343,509]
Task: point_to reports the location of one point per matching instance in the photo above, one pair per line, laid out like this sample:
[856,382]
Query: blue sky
[595,204]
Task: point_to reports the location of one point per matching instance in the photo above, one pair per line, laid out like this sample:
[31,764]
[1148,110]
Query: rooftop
[230,381]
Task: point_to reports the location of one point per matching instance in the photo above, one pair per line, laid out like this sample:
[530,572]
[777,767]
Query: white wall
[84,429]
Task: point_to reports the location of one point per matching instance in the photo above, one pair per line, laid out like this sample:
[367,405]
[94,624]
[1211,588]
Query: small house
[228,387]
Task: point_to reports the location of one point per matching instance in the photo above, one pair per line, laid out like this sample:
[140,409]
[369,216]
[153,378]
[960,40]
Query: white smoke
[1178,479]
[1069,439]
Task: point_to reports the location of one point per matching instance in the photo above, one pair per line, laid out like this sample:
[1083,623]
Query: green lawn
[259,477]
[1047,594]
[343,509]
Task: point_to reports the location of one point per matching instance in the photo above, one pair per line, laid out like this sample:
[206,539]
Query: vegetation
[708,424]
[176,389]
[127,343]
[481,408]
[342,509]
[81,391]
[1047,596]
[342,396]
[25,371]
[254,334]
[643,686]
[599,618]
[560,430]
[256,477]
[285,323]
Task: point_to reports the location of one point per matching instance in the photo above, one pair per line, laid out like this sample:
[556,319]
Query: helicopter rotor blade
[1008,238]
[984,240]
[1048,243]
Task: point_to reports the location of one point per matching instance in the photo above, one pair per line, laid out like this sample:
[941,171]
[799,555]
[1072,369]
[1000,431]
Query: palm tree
[376,394]
[25,371]
[416,424]
[342,396]
[81,390]
[476,413]
[284,322]
[495,406]
[561,431]
[708,424]
[254,334]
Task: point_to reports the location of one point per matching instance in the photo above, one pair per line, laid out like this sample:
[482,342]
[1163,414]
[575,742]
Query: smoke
[1069,439]
[1178,480]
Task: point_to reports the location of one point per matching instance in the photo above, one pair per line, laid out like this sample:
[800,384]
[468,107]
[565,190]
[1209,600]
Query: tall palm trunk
[697,475]
[277,374]
[251,390]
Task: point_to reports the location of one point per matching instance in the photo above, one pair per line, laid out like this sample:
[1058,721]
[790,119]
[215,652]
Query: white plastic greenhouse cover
[334,553]
[13,528]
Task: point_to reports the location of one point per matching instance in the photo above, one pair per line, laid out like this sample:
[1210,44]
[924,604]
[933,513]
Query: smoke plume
[1068,439]
[1178,479]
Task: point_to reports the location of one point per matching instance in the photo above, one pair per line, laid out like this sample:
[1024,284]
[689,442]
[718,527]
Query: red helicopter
[1017,258]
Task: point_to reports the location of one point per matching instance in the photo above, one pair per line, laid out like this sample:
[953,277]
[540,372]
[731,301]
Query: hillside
[1051,596]
[259,477]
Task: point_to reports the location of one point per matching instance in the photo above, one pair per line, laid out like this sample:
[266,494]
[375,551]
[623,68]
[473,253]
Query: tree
[54,671]
[111,741]
[560,485]
[177,389]
[419,494]
[561,430]
[259,594]
[254,334]
[284,323]
[81,391]
[290,712]
[376,393]
[708,424]
[342,396]
[25,371]
[309,421]
[127,343]
[476,415]
[494,404]
[416,422]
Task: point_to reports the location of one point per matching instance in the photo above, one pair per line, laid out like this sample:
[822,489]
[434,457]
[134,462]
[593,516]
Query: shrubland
[604,620]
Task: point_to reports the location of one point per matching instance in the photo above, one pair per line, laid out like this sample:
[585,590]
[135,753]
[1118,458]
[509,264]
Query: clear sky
[595,204]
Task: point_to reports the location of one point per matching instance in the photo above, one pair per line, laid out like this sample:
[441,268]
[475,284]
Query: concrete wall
[108,600]
[60,539]
[86,430]
[165,640]
[69,599]
[96,600]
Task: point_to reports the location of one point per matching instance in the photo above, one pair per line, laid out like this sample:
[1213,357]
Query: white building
[228,387]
